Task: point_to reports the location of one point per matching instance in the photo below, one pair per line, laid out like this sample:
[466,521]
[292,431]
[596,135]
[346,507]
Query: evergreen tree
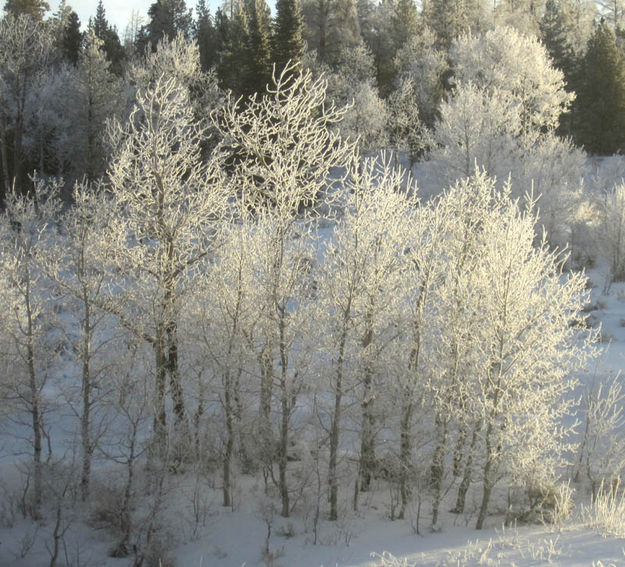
[343,30]
[233,32]
[258,71]
[222,26]
[66,31]
[99,23]
[71,40]
[316,20]
[167,18]
[399,24]
[36,9]
[447,19]
[108,35]
[376,28]
[287,41]
[600,104]
[205,36]
[554,36]
[330,27]
[101,93]
[404,22]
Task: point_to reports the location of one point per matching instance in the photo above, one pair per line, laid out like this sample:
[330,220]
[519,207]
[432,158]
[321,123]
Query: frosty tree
[26,307]
[351,84]
[358,292]
[612,231]
[602,449]
[404,124]
[180,58]
[283,150]
[505,107]
[529,349]
[168,205]
[223,324]
[284,145]
[477,126]
[504,59]
[423,66]
[457,322]
[79,272]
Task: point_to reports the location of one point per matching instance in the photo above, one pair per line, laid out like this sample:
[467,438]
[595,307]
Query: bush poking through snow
[388,560]
[606,513]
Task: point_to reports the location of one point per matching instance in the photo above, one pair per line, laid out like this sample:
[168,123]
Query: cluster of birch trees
[271,303]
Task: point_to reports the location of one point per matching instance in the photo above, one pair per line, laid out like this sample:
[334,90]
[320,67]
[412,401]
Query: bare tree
[223,323]
[79,271]
[125,439]
[611,231]
[462,210]
[284,151]
[168,203]
[529,349]
[27,309]
[360,294]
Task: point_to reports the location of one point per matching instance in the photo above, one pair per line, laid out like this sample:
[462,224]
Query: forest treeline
[392,61]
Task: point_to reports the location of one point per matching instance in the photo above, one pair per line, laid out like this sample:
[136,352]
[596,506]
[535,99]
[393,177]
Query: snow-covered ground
[227,538]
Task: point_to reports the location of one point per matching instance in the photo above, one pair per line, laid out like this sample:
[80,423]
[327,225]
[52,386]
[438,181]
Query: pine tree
[553,29]
[36,9]
[400,24]
[167,18]
[99,23]
[404,22]
[600,104]
[71,40]
[343,30]
[221,25]
[66,31]
[330,27]
[448,19]
[376,28]
[316,20]
[206,36]
[258,71]
[233,54]
[287,41]
[554,36]
[108,35]
[101,92]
